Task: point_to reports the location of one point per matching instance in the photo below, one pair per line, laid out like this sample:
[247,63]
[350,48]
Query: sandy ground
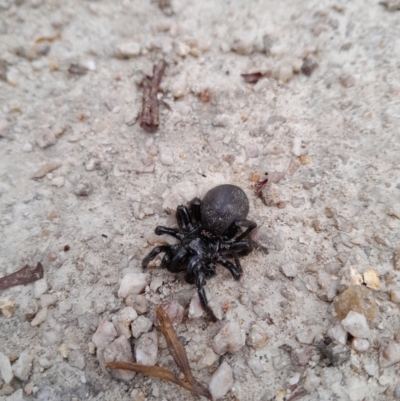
[334,214]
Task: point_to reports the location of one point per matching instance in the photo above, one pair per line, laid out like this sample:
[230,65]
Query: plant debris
[25,275]
[177,351]
[260,185]
[150,116]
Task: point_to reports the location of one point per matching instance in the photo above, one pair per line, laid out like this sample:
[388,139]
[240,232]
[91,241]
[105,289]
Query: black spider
[208,233]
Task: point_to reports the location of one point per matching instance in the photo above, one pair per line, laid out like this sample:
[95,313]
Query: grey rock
[332,267]
[22,368]
[141,325]
[45,363]
[269,240]
[290,269]
[76,359]
[389,354]
[123,319]
[255,365]
[52,337]
[46,138]
[146,349]
[239,373]
[119,350]
[336,355]
[330,376]
[228,339]
[104,334]
[174,311]
[271,194]
[356,324]
[137,302]
[396,392]
[16,396]
[5,368]
[258,337]
[221,381]
[132,284]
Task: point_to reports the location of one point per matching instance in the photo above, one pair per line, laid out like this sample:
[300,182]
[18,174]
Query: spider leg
[157,250]
[242,248]
[195,207]
[183,218]
[236,271]
[251,225]
[178,260]
[173,232]
[195,275]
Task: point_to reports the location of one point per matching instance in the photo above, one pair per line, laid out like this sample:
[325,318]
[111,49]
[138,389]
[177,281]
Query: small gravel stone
[127,50]
[46,139]
[338,333]
[146,349]
[40,317]
[7,306]
[271,194]
[52,337]
[132,284]
[119,350]
[22,368]
[16,396]
[83,188]
[328,286]
[141,325]
[104,334]
[255,365]
[396,392]
[389,355]
[228,339]
[123,319]
[156,283]
[252,151]
[332,267]
[208,359]
[296,149]
[46,168]
[330,376]
[298,202]
[268,239]
[360,344]
[76,359]
[343,224]
[347,80]
[395,296]
[312,382]
[47,300]
[308,67]
[5,368]
[258,337]
[137,302]
[356,324]
[58,182]
[166,156]
[39,288]
[174,311]
[371,279]
[289,269]
[221,381]
[396,259]
[195,308]
[285,73]
[44,363]
[305,337]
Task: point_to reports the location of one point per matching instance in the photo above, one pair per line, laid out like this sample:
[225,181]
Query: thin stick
[25,275]
[150,117]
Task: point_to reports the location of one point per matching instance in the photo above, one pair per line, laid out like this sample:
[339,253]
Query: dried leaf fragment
[77,69]
[150,117]
[252,78]
[25,275]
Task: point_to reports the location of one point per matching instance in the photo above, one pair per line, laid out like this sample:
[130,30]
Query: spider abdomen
[222,206]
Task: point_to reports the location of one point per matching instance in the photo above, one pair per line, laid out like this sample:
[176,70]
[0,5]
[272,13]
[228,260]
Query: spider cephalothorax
[209,232]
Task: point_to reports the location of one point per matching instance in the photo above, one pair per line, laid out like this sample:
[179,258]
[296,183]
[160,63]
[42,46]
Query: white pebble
[285,73]
[22,368]
[128,50]
[156,283]
[208,359]
[146,349]
[27,147]
[104,334]
[123,319]
[195,308]
[296,149]
[255,365]
[40,317]
[174,311]
[166,156]
[371,368]
[5,368]
[132,283]
[221,381]
[305,337]
[141,325]
[356,324]
[360,344]
[228,339]
[338,333]
[290,269]
[258,337]
[39,288]
[47,300]
[389,355]
[58,181]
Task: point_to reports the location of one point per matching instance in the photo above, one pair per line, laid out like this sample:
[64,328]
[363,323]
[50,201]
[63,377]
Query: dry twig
[150,117]
[25,275]
[177,351]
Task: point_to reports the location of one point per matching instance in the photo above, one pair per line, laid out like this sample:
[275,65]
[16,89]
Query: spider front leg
[195,208]
[156,251]
[183,218]
[242,248]
[251,225]
[173,232]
